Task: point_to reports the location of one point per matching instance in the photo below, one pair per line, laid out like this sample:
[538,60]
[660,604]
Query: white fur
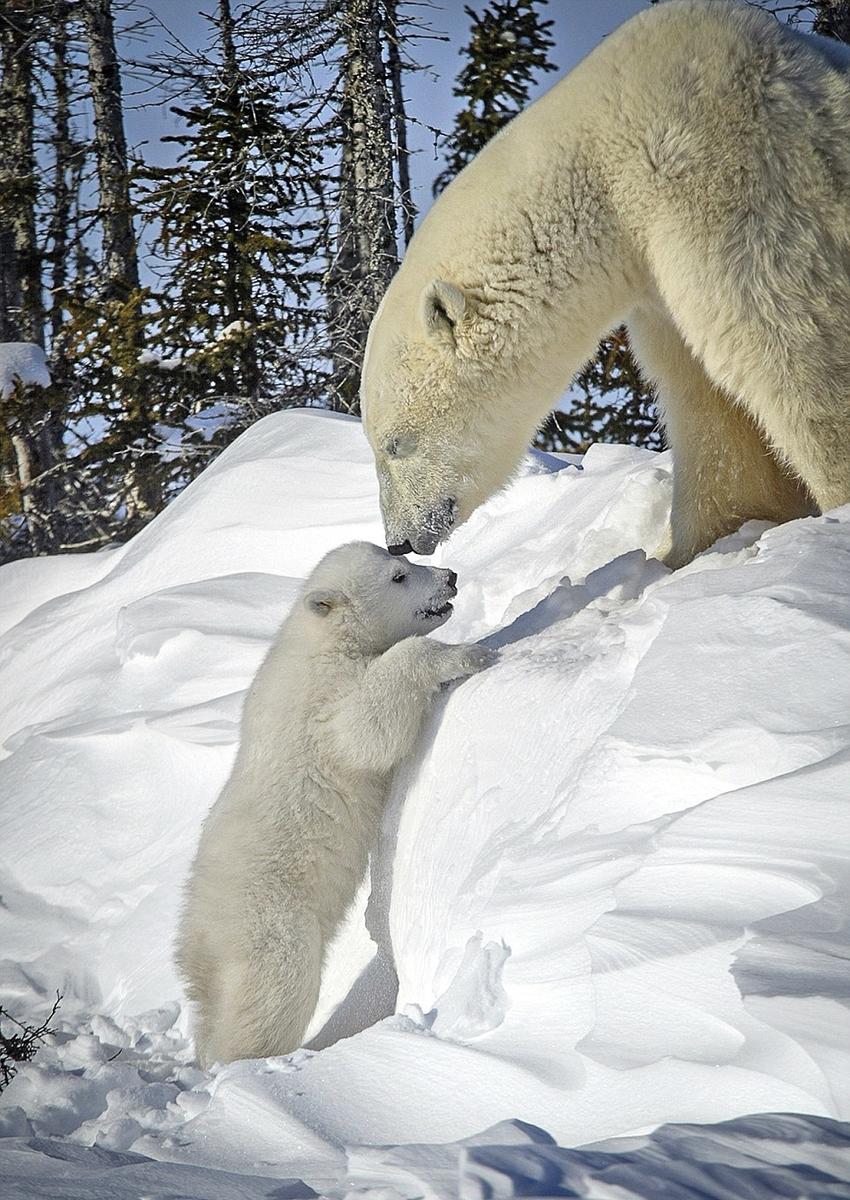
[338,702]
[691,177]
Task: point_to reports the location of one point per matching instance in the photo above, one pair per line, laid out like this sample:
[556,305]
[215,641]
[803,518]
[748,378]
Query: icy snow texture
[614,881]
[24,362]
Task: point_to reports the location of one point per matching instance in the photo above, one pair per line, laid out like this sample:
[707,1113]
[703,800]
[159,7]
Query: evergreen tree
[236,241]
[608,402]
[832,19]
[271,239]
[509,44]
[344,62]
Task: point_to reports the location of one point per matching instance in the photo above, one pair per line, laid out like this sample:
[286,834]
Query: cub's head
[434,365]
[377,598]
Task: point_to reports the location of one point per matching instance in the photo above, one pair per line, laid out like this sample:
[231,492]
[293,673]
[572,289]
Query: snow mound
[22,362]
[612,888]
[756,1157]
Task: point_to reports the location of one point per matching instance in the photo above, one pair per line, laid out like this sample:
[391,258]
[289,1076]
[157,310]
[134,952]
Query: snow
[148,358]
[613,882]
[22,362]
[231,330]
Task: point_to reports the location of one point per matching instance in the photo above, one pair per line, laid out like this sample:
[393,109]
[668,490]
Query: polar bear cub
[337,704]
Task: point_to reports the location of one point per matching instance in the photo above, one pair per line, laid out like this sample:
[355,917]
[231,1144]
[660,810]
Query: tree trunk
[58,235]
[371,158]
[237,286]
[28,420]
[10,284]
[18,175]
[366,254]
[63,154]
[400,148]
[119,279]
[120,264]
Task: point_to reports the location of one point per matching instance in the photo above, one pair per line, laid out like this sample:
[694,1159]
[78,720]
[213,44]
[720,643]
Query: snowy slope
[614,881]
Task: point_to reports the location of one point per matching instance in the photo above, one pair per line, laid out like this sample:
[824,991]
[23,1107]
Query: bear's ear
[443,307]
[323,601]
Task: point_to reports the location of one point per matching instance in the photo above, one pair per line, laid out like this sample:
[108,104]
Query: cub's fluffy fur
[338,702]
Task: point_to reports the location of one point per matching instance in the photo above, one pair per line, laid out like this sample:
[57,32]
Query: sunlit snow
[612,884]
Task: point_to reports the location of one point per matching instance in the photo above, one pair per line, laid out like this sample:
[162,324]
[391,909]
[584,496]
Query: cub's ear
[443,307]
[323,601]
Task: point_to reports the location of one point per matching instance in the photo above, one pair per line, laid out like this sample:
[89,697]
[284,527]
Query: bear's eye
[399,577]
[400,445]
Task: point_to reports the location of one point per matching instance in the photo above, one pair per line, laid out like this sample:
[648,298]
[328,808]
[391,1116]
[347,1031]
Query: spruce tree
[608,402]
[508,48]
[344,63]
[832,19]
[235,244]
[509,45]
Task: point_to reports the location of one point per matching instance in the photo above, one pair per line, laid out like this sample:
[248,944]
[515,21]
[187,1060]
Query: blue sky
[579,26]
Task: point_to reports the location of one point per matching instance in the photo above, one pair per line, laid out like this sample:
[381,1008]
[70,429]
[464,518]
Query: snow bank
[22,362]
[758,1158]
[613,883]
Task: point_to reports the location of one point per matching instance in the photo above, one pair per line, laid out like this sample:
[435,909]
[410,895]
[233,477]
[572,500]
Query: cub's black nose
[452,578]
[402,548]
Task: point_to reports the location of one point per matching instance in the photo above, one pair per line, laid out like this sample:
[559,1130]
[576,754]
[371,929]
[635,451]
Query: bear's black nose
[452,578]
[402,548]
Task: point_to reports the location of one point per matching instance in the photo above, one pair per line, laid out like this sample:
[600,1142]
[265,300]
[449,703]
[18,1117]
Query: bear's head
[432,369]
[378,599]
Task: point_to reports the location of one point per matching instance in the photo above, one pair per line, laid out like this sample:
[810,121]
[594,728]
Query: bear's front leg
[378,724]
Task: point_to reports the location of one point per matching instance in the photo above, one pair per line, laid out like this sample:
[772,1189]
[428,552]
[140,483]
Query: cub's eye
[399,577]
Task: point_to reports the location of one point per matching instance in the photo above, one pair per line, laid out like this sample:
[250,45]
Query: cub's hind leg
[266,989]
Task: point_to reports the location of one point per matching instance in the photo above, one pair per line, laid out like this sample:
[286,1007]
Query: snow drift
[612,890]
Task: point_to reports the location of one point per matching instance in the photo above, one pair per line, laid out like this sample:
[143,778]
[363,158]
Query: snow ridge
[611,894]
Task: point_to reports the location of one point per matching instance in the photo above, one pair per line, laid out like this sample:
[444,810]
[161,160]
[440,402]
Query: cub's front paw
[459,662]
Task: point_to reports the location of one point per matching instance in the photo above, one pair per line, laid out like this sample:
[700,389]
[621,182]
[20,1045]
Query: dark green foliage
[832,19]
[237,247]
[608,402]
[166,376]
[508,45]
[233,250]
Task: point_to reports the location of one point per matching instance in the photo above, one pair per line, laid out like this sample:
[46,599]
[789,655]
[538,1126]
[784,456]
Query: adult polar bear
[691,177]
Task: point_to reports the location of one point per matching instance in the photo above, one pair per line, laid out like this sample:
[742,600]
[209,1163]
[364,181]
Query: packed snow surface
[611,892]
[22,362]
